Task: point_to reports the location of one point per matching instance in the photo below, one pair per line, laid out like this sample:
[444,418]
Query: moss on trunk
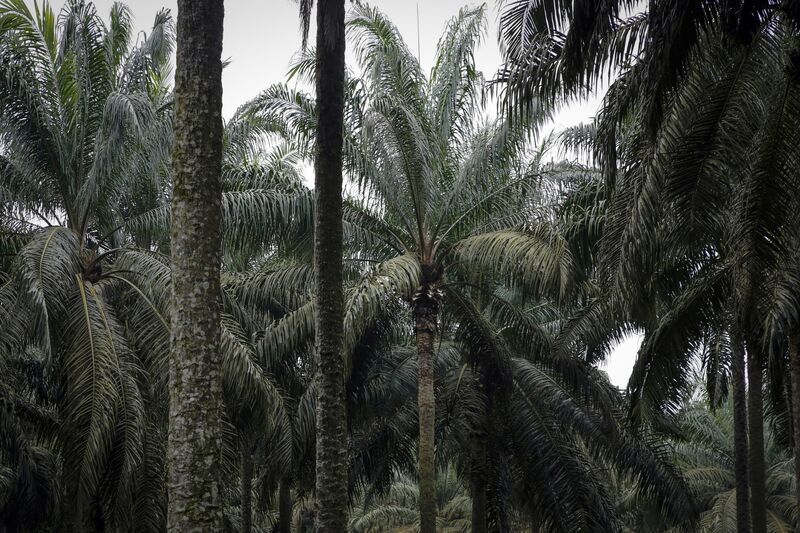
[195,436]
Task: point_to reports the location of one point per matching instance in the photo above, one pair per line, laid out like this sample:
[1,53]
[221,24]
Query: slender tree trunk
[284,507]
[195,436]
[499,490]
[755,414]
[794,374]
[478,485]
[247,490]
[331,482]
[425,312]
[740,437]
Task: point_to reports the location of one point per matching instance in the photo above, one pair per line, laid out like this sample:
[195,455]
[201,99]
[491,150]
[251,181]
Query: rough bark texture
[740,438]
[331,482]
[195,436]
[425,310]
[284,507]
[794,369]
[755,414]
[247,491]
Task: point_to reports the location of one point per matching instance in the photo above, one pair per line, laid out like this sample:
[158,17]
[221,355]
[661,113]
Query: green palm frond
[455,87]
[659,377]
[397,277]
[536,258]
[251,217]
[102,414]
[703,452]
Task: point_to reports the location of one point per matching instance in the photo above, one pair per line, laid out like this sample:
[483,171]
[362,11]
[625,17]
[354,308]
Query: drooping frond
[534,258]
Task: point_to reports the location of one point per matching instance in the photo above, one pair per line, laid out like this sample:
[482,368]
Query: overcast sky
[262,37]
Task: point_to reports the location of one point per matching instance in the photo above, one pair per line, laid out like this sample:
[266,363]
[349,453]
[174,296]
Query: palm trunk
[499,489]
[247,490]
[794,376]
[194,450]
[478,486]
[331,475]
[740,437]
[285,507]
[755,408]
[425,319]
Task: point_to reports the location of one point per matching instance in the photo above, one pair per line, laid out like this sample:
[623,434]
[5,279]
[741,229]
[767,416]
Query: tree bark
[284,507]
[425,311]
[740,437]
[195,436]
[794,376]
[331,474]
[247,490]
[755,414]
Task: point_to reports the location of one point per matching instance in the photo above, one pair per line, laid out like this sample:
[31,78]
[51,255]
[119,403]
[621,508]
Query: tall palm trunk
[755,414]
[426,312]
[331,482]
[247,490]
[195,438]
[794,376]
[478,491]
[740,437]
[499,385]
[284,507]
[478,484]
[499,489]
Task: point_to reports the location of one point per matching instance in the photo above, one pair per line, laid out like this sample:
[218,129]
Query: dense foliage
[484,282]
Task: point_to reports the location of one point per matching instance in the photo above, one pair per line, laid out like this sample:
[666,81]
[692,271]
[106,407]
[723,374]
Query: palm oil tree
[329,76]
[194,451]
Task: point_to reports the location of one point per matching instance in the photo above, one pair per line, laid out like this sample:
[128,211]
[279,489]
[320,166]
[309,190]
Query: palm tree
[706,460]
[441,178]
[535,459]
[556,383]
[329,77]
[126,287]
[429,169]
[702,449]
[194,450]
[396,511]
[452,203]
[668,52]
[83,120]
[266,221]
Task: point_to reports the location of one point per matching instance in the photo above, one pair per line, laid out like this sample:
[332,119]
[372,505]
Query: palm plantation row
[431,362]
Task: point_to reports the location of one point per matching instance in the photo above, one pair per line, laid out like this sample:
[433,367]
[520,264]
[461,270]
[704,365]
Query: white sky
[262,36]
